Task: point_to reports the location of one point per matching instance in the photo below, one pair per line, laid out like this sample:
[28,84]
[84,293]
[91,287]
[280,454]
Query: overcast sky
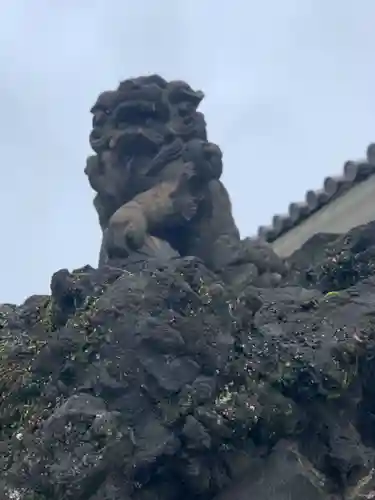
[290,95]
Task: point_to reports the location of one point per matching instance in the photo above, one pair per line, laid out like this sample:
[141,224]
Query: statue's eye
[188,120]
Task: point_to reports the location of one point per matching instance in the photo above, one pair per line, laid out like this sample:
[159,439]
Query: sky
[290,96]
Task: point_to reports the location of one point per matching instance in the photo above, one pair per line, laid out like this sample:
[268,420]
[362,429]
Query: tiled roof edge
[353,173]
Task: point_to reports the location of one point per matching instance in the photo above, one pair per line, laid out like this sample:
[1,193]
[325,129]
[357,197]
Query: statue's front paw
[134,233]
[126,232]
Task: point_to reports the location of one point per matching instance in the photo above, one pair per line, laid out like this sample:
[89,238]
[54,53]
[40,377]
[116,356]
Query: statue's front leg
[164,206]
[126,232]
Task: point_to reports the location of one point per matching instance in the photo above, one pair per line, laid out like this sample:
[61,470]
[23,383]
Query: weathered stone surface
[311,252]
[142,384]
[156,174]
[285,475]
[160,376]
[340,263]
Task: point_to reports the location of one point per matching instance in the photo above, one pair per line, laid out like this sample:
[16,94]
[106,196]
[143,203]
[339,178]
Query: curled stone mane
[157,176]
[137,130]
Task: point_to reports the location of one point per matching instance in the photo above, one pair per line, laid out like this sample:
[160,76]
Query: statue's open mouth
[136,140]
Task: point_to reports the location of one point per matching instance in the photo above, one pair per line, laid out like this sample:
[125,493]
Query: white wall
[355,207]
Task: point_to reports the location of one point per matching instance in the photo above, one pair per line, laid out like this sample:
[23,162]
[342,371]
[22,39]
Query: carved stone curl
[155,173]
[157,176]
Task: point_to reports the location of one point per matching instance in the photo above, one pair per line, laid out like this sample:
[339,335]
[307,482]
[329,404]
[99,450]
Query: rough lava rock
[156,378]
[161,382]
[331,262]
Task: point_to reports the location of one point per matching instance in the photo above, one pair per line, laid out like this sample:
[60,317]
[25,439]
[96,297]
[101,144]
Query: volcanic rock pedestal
[158,376]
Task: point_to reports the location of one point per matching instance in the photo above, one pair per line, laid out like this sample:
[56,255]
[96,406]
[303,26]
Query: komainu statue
[157,177]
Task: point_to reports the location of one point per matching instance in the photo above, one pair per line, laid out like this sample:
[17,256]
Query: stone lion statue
[157,177]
